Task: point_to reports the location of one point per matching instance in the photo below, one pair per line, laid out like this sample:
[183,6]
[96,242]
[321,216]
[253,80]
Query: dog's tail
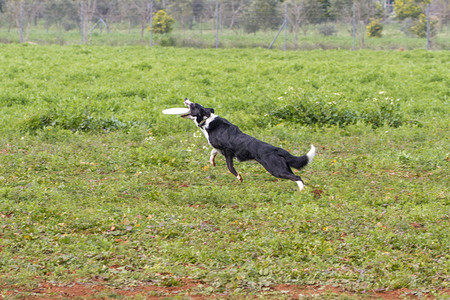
[299,162]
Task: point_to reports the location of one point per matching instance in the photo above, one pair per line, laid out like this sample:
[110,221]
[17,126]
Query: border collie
[228,140]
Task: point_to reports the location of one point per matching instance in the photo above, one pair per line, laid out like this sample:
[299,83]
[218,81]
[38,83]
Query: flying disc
[176,111]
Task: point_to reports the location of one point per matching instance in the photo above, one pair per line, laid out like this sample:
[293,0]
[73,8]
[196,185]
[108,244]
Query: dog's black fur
[228,140]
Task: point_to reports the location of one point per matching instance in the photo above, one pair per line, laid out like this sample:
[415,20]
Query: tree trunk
[27,32]
[296,30]
[88,8]
[21,16]
[142,31]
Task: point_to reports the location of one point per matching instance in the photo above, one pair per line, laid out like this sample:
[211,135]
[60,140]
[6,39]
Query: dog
[228,140]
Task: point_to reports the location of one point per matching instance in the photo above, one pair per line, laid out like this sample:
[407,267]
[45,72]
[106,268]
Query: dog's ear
[205,113]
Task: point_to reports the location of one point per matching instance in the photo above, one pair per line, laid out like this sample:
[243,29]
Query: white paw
[300,184]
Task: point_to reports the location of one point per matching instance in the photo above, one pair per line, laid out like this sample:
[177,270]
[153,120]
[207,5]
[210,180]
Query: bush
[327,30]
[168,41]
[382,111]
[406,27]
[74,121]
[420,26]
[405,9]
[162,22]
[250,24]
[315,113]
[310,109]
[374,28]
[69,25]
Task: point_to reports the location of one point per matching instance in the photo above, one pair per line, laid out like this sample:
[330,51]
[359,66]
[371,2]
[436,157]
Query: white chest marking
[205,132]
[204,127]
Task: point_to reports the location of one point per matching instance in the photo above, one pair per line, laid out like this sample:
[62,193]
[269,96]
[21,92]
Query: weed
[311,109]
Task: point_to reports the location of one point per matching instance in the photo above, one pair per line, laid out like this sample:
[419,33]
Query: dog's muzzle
[188,103]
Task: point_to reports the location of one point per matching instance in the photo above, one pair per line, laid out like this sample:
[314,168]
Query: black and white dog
[228,140]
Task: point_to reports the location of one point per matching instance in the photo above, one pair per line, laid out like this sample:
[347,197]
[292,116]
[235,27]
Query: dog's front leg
[214,152]
[229,160]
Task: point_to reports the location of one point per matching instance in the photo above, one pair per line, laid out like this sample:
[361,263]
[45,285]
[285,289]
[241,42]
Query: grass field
[96,185]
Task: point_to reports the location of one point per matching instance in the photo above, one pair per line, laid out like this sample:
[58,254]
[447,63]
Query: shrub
[374,28]
[168,41]
[74,121]
[382,111]
[407,9]
[310,109]
[420,26]
[69,25]
[307,112]
[162,22]
[250,24]
[406,27]
[327,30]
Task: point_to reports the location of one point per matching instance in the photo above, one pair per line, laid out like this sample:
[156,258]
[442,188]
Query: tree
[162,22]
[231,11]
[2,6]
[304,12]
[341,10]
[87,11]
[197,8]
[107,10]
[420,26]
[249,20]
[413,13]
[325,6]
[374,28]
[262,14]
[23,13]
[364,11]
[62,13]
[181,10]
[144,10]
[440,8]
[409,8]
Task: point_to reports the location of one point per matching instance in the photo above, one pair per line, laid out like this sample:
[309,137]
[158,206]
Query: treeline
[248,15]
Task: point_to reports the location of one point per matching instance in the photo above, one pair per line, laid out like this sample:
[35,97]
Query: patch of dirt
[190,289]
[317,193]
[99,290]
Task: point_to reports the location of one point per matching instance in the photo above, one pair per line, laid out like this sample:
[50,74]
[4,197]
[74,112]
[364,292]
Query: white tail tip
[311,153]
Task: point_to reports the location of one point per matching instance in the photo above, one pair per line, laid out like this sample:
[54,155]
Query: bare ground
[189,289]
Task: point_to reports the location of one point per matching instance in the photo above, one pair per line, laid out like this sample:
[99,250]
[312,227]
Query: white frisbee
[176,111]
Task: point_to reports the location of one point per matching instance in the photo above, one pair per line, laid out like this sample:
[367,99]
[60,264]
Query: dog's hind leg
[214,152]
[229,160]
[278,167]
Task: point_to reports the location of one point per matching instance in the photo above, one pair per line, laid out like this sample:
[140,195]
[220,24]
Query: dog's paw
[239,177]
[301,186]
[212,162]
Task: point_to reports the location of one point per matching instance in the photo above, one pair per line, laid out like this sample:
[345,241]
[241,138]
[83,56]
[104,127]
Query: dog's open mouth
[188,114]
[187,103]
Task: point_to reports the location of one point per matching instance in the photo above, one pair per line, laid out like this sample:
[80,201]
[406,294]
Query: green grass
[96,183]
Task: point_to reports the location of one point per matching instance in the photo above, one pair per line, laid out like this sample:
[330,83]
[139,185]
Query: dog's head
[197,113]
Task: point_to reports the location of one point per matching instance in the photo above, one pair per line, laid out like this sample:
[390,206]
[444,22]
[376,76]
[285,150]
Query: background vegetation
[312,24]
[97,184]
